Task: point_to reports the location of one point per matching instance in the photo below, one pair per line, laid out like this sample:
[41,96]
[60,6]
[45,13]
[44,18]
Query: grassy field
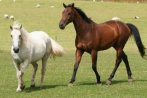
[59,70]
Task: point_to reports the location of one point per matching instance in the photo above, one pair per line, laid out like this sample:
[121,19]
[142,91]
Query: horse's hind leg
[125,59]
[44,62]
[117,63]
[94,65]
[35,66]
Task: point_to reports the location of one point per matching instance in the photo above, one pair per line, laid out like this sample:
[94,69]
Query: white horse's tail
[57,50]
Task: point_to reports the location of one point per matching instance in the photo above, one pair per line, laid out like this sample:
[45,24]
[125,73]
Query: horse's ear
[20,26]
[64,5]
[11,27]
[72,4]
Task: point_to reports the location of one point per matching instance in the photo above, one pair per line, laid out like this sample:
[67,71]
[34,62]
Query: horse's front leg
[20,73]
[78,56]
[20,81]
[94,65]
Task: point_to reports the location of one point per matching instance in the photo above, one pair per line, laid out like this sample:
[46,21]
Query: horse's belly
[106,45]
[37,56]
[38,52]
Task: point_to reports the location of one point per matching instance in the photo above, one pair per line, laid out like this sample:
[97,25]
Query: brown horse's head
[67,15]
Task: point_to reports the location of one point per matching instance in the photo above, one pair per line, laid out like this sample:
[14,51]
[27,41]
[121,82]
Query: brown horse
[92,37]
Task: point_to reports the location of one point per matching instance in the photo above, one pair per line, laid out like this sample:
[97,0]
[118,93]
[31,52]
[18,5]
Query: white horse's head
[16,36]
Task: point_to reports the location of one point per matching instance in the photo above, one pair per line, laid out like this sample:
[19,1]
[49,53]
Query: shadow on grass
[114,82]
[32,89]
[90,83]
[126,81]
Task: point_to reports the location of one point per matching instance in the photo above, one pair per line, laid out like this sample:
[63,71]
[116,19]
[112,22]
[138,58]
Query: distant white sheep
[6,16]
[115,18]
[52,6]
[37,6]
[11,17]
[136,17]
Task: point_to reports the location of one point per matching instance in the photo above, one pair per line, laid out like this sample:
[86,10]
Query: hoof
[40,86]
[99,83]
[22,87]
[109,82]
[70,85]
[130,80]
[32,86]
[18,90]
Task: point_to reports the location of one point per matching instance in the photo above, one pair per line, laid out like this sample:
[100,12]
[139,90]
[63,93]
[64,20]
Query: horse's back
[121,26]
[39,35]
[39,38]
[112,33]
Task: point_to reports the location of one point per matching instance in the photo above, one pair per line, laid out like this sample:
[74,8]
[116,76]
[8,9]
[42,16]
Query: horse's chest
[21,56]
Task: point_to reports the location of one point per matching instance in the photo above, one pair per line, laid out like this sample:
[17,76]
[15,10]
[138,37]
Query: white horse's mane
[17,25]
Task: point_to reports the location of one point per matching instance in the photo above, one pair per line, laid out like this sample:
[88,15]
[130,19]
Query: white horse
[28,48]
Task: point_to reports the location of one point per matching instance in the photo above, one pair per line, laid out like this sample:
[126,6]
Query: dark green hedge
[141,1]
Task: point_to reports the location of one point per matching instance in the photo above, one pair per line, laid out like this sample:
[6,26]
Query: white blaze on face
[16,39]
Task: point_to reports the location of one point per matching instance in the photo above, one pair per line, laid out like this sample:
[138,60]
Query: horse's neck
[80,24]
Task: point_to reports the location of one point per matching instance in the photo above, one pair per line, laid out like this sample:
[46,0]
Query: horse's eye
[19,36]
[69,14]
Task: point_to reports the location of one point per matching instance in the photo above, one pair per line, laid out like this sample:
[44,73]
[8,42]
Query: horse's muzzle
[61,26]
[16,50]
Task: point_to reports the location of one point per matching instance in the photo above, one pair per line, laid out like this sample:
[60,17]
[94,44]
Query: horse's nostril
[61,26]
[16,50]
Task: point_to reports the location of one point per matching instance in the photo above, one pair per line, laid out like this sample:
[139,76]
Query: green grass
[59,71]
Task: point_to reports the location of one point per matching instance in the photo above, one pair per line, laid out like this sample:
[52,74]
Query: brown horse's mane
[82,14]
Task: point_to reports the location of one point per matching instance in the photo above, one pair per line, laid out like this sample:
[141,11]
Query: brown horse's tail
[137,38]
